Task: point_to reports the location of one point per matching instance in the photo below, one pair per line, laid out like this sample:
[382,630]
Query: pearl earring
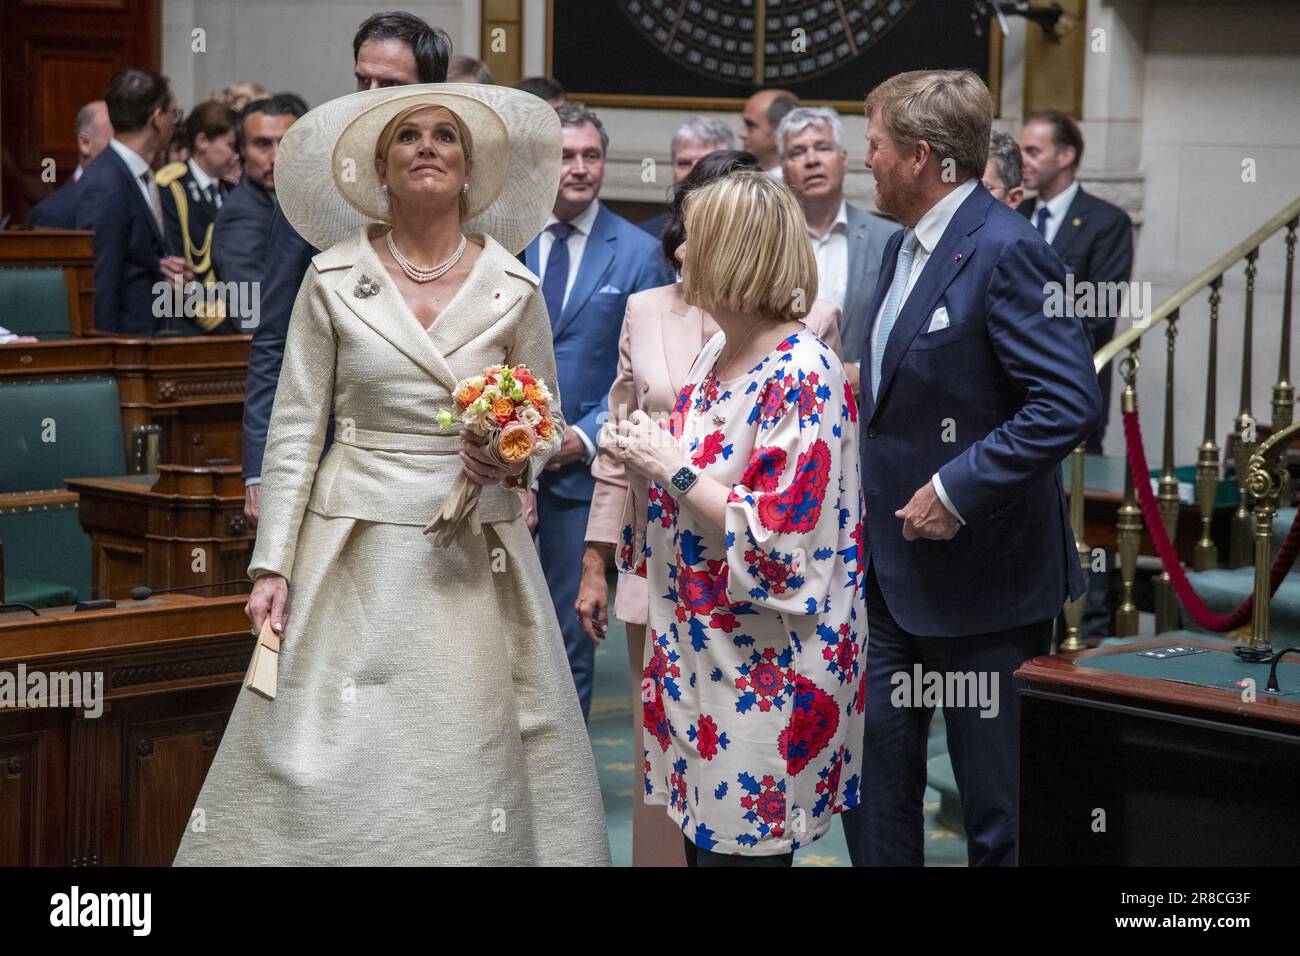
[465,188]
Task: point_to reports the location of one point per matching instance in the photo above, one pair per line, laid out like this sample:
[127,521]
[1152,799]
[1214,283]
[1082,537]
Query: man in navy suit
[971,398]
[1093,238]
[589,261]
[118,198]
[58,210]
[244,222]
[389,49]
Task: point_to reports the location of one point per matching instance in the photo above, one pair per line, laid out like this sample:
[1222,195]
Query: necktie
[893,302]
[1043,215]
[557,269]
[155,201]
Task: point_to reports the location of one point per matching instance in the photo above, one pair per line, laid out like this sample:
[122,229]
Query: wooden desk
[117,789]
[156,529]
[192,388]
[1117,769]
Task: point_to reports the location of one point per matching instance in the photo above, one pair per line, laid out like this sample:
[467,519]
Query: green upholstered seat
[47,555]
[51,429]
[1223,589]
[39,593]
[34,302]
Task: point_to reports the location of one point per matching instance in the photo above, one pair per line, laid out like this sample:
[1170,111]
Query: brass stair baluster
[1166,602]
[1206,556]
[1284,390]
[1128,522]
[1074,609]
[1243,531]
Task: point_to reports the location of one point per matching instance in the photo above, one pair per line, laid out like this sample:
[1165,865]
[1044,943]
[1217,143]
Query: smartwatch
[685,478]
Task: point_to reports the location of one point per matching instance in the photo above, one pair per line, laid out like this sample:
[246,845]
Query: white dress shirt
[832,254]
[582,225]
[204,182]
[148,186]
[929,230]
[1056,210]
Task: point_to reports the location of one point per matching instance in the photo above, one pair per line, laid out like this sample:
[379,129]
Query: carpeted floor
[611,739]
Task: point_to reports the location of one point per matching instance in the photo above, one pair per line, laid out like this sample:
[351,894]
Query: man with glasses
[119,200]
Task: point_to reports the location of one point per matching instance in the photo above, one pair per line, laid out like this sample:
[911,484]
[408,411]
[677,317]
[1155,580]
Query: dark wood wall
[56,56]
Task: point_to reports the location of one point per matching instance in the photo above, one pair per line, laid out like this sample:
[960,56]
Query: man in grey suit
[848,241]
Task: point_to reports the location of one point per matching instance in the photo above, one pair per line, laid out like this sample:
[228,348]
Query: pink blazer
[661,337]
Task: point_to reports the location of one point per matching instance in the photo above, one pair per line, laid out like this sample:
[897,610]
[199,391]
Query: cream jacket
[354,347]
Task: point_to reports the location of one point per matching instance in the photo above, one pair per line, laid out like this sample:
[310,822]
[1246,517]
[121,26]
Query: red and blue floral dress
[754,672]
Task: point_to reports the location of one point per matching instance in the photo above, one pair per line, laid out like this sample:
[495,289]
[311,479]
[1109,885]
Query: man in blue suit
[971,398]
[389,49]
[589,261]
[119,200]
[58,210]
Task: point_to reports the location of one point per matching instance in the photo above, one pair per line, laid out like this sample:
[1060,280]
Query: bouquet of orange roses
[510,409]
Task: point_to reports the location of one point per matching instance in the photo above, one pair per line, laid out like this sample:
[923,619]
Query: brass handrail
[1203,279]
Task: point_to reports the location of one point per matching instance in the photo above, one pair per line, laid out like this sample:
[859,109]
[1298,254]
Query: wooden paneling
[56,56]
[117,789]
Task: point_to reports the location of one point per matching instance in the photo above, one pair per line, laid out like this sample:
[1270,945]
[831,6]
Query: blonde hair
[747,248]
[386,136]
[951,110]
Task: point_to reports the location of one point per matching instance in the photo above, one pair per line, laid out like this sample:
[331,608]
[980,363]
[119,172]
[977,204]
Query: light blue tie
[893,302]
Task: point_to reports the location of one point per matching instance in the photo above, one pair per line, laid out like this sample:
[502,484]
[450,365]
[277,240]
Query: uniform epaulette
[170,173]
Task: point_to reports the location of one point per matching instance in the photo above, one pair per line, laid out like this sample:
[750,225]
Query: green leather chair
[34,302]
[52,429]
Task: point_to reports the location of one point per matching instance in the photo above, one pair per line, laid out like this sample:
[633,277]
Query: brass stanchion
[1128,524]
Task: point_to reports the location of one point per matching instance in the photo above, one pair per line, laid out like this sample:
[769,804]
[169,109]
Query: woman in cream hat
[425,711]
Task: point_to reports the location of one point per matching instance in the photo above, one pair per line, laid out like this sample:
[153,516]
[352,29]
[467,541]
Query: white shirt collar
[200,177]
[583,221]
[931,227]
[841,219]
[1058,206]
[134,161]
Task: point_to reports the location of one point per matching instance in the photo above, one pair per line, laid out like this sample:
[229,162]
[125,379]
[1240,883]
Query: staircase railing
[1243,441]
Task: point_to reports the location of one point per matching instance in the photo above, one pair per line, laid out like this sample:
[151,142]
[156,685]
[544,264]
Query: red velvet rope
[1137,463]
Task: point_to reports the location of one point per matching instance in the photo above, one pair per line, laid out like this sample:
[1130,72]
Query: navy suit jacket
[58,210]
[993,403]
[1095,242]
[287,258]
[128,246]
[242,231]
[619,259]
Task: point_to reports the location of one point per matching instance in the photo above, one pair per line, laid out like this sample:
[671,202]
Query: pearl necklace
[416,274]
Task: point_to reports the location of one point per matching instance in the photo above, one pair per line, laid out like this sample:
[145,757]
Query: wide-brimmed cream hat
[325,169]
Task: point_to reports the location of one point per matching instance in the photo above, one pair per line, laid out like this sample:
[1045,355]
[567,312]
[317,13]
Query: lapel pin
[496,293]
[957,257]
[366,286]
[1078,221]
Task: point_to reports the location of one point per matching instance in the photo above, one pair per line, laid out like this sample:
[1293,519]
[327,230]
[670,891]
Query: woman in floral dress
[753,673]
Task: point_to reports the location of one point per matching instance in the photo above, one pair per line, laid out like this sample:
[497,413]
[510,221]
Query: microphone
[143,592]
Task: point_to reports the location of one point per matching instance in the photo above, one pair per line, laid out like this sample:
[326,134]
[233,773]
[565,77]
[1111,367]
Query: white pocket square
[938,321]
[611,290]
